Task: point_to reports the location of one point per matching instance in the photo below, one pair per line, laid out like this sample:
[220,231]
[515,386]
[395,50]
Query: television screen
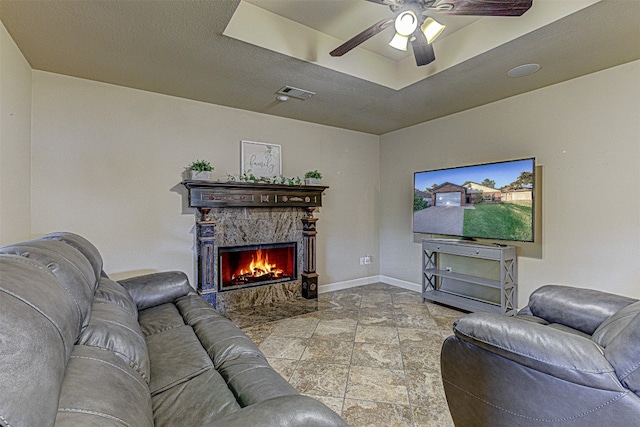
[490,201]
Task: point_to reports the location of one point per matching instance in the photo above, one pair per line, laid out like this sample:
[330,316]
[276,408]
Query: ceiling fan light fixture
[431,29]
[399,42]
[406,23]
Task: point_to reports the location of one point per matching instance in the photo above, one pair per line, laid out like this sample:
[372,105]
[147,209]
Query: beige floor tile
[370,353]
[335,403]
[418,357]
[437,416]
[377,334]
[336,329]
[259,333]
[377,299]
[300,327]
[376,355]
[335,314]
[425,388]
[376,317]
[346,300]
[375,305]
[283,347]
[420,335]
[414,320]
[329,351]
[284,367]
[438,310]
[382,385]
[365,413]
[323,379]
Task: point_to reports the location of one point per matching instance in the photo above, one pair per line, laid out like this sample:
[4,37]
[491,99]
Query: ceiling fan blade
[483,7]
[422,50]
[361,38]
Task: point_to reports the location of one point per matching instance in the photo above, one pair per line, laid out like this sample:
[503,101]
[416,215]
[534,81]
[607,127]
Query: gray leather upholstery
[79,349]
[570,358]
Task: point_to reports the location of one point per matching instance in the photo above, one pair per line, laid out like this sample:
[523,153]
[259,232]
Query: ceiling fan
[413,23]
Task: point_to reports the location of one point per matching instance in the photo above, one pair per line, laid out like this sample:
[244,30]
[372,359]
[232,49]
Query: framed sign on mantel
[260,159]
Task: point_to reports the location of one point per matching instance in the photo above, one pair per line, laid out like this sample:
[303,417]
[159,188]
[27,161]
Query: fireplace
[256,265]
[232,217]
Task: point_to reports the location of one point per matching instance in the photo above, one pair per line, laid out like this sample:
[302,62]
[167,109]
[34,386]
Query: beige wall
[107,162]
[15,142]
[585,135]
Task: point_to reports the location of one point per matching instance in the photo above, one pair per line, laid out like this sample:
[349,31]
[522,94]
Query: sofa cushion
[100,390]
[623,352]
[568,329]
[159,319]
[115,329]
[112,291]
[176,356]
[185,405]
[38,325]
[81,244]
[581,309]
[71,268]
[220,338]
[611,327]
[252,380]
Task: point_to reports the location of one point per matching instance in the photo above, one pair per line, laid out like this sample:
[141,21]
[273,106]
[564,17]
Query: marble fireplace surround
[235,214]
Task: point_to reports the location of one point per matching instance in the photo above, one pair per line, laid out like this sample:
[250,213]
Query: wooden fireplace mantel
[209,194]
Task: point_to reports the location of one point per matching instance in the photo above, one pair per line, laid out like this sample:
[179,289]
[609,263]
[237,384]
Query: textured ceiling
[177,48]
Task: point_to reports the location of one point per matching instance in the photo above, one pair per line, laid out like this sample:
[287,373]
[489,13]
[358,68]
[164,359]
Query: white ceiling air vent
[295,92]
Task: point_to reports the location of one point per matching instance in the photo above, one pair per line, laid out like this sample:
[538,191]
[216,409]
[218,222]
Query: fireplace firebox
[256,265]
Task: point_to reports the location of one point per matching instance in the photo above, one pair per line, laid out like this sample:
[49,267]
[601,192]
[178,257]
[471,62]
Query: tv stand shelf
[466,291]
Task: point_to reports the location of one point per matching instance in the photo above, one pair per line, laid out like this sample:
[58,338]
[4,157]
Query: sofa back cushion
[112,291]
[38,326]
[113,328]
[574,307]
[100,390]
[73,271]
[615,324]
[623,351]
[81,244]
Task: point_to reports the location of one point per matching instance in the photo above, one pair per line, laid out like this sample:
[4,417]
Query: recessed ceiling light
[523,70]
[282,98]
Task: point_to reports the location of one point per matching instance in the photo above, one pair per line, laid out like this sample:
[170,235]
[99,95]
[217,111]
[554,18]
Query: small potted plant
[313,178]
[200,170]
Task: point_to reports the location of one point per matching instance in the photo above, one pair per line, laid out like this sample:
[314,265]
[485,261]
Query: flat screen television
[490,201]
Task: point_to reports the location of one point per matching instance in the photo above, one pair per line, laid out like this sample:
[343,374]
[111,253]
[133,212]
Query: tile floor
[370,353]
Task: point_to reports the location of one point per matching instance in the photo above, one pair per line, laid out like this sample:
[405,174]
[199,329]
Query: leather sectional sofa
[570,358]
[79,349]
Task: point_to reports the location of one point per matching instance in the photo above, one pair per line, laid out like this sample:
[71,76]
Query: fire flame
[260,266]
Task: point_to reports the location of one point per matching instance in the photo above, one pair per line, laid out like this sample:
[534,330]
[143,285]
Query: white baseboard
[367,281]
[416,287]
[330,287]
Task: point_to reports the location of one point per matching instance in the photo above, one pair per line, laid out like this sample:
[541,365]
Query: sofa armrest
[554,352]
[578,308]
[283,411]
[157,288]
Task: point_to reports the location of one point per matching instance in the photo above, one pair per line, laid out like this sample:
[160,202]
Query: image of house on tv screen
[492,201]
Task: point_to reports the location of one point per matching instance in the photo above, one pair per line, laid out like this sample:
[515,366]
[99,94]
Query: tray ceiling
[180,49]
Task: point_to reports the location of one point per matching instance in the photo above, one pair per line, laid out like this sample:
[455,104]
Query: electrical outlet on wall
[367,259]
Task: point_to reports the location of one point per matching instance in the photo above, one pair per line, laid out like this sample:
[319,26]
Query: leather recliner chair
[570,358]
